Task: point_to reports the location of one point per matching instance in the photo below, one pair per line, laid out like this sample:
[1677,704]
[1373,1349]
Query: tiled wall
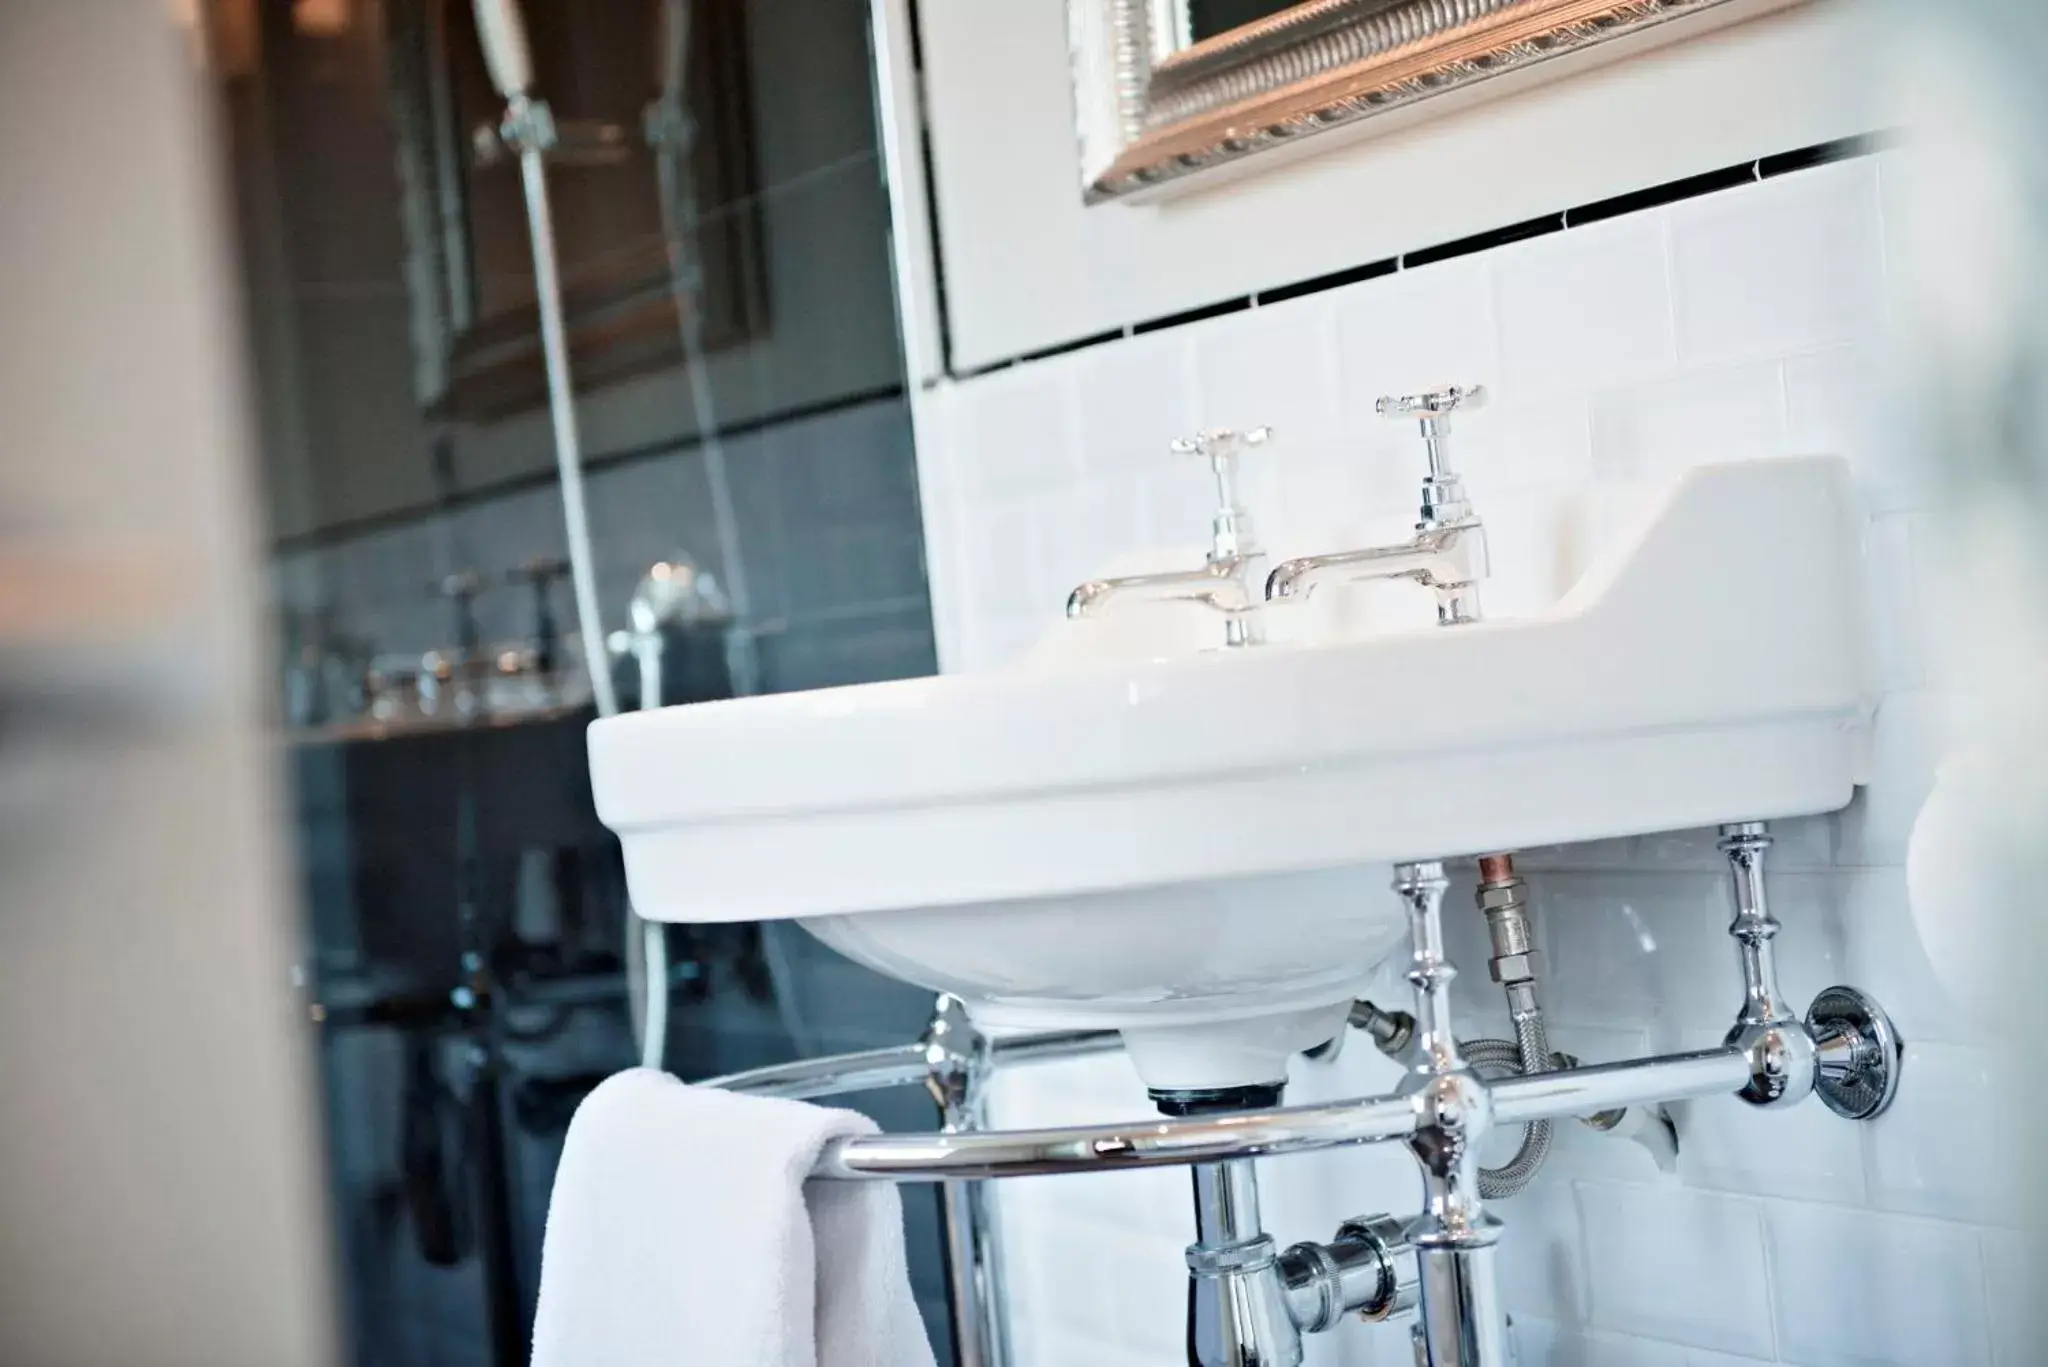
[1741,323]
[825,507]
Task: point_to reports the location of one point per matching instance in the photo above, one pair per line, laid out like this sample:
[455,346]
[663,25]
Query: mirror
[1165,90]
[1206,19]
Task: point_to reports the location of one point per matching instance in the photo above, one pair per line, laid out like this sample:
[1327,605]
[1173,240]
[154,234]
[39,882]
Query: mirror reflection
[1209,18]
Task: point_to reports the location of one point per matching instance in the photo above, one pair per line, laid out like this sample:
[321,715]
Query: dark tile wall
[465,908]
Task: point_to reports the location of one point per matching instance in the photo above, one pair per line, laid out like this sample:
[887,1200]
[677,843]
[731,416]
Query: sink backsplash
[1744,322]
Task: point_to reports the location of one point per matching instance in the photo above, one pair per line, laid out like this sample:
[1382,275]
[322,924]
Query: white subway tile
[1843,401]
[1653,948]
[1526,441]
[1906,743]
[1530,546]
[1625,1350]
[1787,265]
[1413,331]
[1952,1143]
[1662,426]
[1892,585]
[1680,1266]
[1328,500]
[1087,525]
[1006,556]
[989,642]
[1270,367]
[1882,954]
[1017,429]
[1135,397]
[2015,1271]
[1586,856]
[1915,1295]
[1542,1263]
[1123,1289]
[1831,399]
[1701,1357]
[1583,309]
[1604,965]
[1543,1343]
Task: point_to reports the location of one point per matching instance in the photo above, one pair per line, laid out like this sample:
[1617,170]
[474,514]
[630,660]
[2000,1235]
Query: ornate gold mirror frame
[1155,107]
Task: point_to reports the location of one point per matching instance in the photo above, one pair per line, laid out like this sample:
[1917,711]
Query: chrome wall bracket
[1857,1072]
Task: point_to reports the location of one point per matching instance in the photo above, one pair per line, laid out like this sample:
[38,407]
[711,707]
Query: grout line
[341,533]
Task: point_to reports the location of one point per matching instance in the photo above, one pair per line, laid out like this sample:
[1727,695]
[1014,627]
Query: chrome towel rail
[902,1065]
[1269,1133]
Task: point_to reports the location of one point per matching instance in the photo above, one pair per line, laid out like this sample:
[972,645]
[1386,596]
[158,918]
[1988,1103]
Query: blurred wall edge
[158,1165]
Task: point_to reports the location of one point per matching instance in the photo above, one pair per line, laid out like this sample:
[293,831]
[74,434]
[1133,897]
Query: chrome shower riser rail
[1270,1133]
[902,1065]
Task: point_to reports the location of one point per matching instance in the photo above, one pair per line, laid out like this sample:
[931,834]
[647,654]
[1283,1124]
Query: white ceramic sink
[1173,846]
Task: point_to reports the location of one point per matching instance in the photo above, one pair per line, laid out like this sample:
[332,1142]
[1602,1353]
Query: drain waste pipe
[529,129]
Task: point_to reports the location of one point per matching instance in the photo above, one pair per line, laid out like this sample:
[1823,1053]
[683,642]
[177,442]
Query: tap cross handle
[1443,492]
[1230,533]
[1432,410]
[1221,446]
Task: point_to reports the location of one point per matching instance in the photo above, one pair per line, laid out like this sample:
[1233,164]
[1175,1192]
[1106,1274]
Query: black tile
[1671,191]
[1370,270]
[1486,241]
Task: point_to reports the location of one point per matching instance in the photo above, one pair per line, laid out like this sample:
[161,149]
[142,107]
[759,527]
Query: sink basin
[1191,848]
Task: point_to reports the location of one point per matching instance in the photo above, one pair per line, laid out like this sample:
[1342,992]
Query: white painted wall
[1027,266]
[1742,323]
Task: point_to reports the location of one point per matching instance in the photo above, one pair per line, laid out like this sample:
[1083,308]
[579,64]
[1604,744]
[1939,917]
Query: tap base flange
[1863,1087]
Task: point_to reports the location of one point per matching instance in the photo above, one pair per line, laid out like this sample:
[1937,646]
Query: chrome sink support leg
[957,1058]
[1462,1322]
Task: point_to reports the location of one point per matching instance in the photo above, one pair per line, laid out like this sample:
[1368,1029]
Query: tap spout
[1451,560]
[1225,583]
[1217,584]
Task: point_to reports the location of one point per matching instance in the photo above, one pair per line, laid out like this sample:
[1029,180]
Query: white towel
[682,1234]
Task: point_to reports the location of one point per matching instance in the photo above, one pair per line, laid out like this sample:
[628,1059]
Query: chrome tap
[1227,578]
[1447,554]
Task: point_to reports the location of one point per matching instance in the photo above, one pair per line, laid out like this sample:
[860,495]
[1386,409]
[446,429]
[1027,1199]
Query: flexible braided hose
[1528,1052]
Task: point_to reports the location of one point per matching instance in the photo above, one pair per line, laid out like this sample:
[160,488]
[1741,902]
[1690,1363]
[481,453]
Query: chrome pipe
[900,1065]
[957,1058]
[1285,1130]
[1461,1319]
[974,1283]
[1238,1311]
[1754,929]
[1049,1046]
[1779,1046]
[869,1070]
[1096,1148]
[1226,1202]
[1610,1086]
